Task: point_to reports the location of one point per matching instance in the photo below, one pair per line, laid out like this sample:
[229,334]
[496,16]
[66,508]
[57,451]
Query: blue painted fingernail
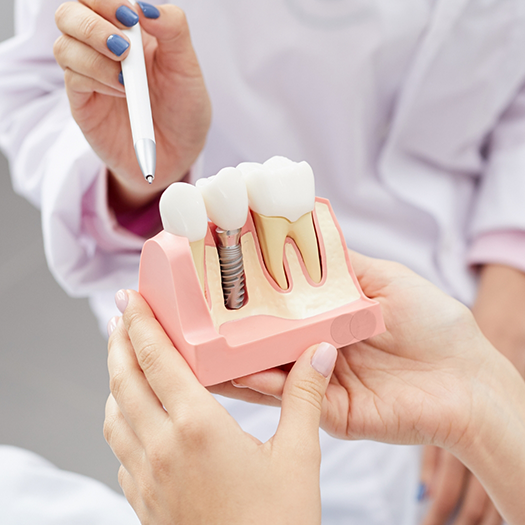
[421,492]
[121,78]
[116,44]
[127,16]
[150,11]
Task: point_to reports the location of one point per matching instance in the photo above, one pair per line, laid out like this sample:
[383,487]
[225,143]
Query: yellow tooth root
[272,233]
[302,231]
[197,251]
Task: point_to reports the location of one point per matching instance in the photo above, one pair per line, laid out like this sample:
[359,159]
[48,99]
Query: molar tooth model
[300,286]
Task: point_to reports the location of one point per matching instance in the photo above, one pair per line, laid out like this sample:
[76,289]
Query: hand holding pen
[90,51]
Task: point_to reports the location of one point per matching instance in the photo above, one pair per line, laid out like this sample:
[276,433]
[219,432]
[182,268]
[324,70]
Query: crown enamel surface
[183,212]
[226,198]
[282,197]
[279,187]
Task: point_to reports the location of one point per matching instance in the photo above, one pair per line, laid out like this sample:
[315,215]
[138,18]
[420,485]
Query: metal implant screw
[232,267]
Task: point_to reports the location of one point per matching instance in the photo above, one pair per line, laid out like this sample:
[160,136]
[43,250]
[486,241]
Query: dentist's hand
[414,384]
[90,51]
[184,458]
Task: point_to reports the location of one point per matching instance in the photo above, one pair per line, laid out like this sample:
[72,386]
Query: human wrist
[500,309]
[492,445]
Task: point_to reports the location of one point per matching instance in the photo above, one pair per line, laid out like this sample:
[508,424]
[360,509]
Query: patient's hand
[184,458]
[415,383]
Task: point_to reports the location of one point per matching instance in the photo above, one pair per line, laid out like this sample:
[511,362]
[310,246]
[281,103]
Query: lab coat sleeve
[33,491]
[497,228]
[53,166]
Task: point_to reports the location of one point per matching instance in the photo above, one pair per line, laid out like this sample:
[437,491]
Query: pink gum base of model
[169,283]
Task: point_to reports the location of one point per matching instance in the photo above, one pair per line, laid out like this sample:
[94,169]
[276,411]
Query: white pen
[139,105]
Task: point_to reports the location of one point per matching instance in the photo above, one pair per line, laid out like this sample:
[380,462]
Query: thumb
[168,24]
[303,394]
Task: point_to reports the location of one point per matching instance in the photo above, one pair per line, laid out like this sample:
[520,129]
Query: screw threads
[232,268]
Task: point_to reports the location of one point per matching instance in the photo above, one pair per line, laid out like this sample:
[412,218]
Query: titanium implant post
[232,267]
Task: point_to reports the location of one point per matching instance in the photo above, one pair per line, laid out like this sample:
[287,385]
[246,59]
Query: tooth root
[302,232]
[272,233]
[197,251]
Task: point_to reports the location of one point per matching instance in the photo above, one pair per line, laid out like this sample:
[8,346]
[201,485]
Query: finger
[81,87]
[81,23]
[447,491]
[492,516]
[303,398]
[121,13]
[243,393]
[429,463]
[360,263]
[165,369]
[80,58]
[269,382]
[475,505]
[130,490]
[175,51]
[136,400]
[119,435]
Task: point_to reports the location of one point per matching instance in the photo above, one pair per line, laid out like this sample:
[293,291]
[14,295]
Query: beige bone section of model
[272,233]
[197,252]
[302,300]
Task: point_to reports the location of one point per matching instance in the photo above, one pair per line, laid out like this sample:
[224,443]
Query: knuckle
[87,27]
[117,383]
[123,477]
[159,460]
[70,78]
[108,429]
[192,428]
[60,47]
[309,391]
[61,14]
[148,357]
[95,62]
[176,13]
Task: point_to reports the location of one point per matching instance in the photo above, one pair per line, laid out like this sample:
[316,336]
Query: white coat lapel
[445,15]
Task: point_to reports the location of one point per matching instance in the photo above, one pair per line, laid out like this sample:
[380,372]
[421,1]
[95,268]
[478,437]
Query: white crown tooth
[226,198]
[183,212]
[278,162]
[280,187]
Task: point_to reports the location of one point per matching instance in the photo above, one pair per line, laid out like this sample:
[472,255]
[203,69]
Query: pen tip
[149,178]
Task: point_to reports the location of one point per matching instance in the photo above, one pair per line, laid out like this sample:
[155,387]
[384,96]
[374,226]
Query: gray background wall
[53,379]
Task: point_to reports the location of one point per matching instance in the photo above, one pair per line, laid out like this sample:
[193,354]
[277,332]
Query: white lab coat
[35,492]
[449,165]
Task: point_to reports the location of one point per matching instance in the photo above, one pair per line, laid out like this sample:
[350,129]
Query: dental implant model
[226,202]
[265,278]
[282,197]
[183,213]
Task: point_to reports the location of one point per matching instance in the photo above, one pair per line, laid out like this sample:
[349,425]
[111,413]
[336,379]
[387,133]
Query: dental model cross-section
[183,213]
[282,197]
[226,202]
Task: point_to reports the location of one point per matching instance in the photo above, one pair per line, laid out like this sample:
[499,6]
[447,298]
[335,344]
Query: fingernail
[112,324]
[237,385]
[126,16]
[421,492]
[121,300]
[116,44]
[150,11]
[121,78]
[324,359]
